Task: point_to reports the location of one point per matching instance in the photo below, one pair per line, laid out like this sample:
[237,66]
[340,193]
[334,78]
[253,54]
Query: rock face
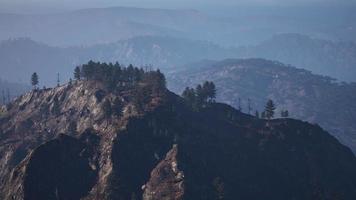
[61,144]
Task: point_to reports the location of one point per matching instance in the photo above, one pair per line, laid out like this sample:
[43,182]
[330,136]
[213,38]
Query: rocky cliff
[62,143]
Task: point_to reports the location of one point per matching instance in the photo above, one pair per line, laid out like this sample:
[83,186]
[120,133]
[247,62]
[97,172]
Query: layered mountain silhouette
[21,57]
[330,58]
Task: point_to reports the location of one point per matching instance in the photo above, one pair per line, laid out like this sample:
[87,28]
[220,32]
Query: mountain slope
[310,97]
[335,59]
[165,151]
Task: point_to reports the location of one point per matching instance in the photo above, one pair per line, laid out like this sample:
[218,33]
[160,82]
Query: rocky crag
[84,141]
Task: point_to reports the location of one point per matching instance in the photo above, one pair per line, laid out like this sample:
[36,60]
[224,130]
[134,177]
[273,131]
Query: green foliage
[189,96]
[284,113]
[209,91]
[201,96]
[115,76]
[269,109]
[77,73]
[142,96]
[34,80]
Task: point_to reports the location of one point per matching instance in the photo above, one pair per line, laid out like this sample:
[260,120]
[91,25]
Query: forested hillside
[310,97]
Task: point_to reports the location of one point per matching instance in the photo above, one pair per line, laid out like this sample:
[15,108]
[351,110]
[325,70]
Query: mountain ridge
[161,151]
[307,96]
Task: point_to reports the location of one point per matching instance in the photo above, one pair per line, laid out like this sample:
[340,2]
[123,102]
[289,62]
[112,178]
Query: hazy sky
[20,6]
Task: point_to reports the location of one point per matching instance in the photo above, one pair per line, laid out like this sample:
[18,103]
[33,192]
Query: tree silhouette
[77,72]
[34,80]
[284,113]
[269,109]
[209,91]
[189,96]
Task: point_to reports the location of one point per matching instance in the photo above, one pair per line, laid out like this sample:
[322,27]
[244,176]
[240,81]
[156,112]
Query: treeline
[115,75]
[112,75]
[201,96]
[204,94]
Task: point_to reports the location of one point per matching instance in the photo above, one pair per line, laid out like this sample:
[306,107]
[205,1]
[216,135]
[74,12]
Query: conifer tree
[269,109]
[34,80]
[200,96]
[189,95]
[77,72]
[209,91]
[58,81]
[284,113]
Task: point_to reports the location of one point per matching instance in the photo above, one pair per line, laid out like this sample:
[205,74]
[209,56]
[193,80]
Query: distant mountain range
[238,26]
[310,97]
[21,57]
[336,59]
[104,25]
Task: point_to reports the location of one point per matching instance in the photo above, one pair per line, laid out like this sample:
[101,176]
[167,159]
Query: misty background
[298,53]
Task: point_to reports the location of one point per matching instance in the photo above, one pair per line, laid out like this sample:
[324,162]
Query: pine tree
[34,80]
[269,109]
[58,81]
[284,113]
[189,95]
[77,74]
[209,92]
[200,97]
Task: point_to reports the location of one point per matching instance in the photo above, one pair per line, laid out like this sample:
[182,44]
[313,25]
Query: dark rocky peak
[70,142]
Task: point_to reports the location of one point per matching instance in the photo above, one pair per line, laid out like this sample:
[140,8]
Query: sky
[33,6]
